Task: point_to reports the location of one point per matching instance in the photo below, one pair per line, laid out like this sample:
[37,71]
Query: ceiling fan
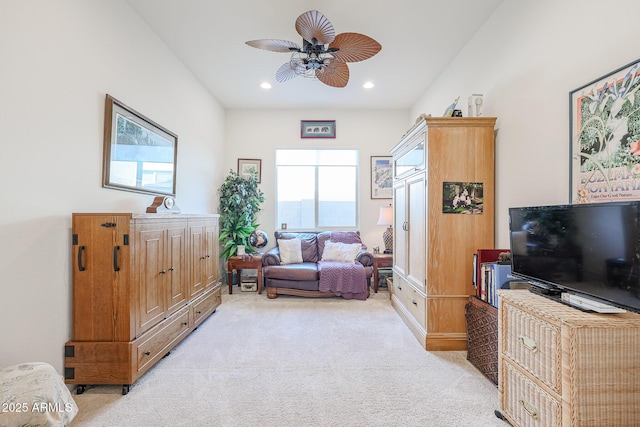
[323,54]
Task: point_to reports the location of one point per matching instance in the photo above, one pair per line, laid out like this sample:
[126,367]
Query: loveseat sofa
[318,264]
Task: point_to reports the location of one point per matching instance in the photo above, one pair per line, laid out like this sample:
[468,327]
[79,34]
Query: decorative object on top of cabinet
[139,155]
[449,111]
[248,167]
[559,366]
[381,177]
[317,128]
[475,105]
[431,285]
[163,204]
[605,137]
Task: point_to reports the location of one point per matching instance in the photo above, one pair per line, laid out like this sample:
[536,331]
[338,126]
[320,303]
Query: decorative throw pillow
[290,251]
[341,252]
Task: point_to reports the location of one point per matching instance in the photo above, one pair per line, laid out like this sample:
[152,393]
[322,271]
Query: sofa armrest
[365,258]
[271,257]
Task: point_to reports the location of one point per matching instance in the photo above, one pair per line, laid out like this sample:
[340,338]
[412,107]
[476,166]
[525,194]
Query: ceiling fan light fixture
[323,54]
[265,85]
[368,85]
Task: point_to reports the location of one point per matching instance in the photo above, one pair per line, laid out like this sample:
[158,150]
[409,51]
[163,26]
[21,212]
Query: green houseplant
[240,200]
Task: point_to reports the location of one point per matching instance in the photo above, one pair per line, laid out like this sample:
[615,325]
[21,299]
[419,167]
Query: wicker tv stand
[560,366]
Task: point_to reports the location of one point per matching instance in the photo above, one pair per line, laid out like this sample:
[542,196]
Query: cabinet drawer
[157,342]
[534,344]
[205,305]
[527,404]
[412,300]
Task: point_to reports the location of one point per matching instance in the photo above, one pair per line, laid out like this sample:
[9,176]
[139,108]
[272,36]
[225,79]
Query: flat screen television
[588,250]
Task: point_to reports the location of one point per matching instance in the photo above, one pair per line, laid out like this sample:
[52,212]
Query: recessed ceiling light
[265,85]
[368,85]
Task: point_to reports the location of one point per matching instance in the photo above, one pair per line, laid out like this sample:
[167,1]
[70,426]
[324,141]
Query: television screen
[589,248]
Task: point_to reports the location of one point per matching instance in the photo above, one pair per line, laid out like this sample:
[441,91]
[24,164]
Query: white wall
[525,60]
[256,134]
[59,59]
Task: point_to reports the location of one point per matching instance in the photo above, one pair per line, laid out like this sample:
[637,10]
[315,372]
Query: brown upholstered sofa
[303,278]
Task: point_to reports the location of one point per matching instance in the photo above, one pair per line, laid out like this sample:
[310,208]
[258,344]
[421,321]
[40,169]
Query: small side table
[380,262]
[240,262]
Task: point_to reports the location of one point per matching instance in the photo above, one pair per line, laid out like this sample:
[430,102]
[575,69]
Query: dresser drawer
[412,300]
[158,341]
[534,344]
[526,403]
[205,305]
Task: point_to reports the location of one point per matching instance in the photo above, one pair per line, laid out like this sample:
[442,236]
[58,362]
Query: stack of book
[490,273]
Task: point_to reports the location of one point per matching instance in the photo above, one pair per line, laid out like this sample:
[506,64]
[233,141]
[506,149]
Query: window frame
[316,167]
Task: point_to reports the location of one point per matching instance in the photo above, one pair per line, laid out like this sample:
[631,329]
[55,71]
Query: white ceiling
[419,39]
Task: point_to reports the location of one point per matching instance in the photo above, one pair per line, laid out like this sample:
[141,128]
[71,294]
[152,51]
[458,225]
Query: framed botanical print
[605,137]
[248,167]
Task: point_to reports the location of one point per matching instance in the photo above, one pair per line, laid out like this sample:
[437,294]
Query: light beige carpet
[298,361]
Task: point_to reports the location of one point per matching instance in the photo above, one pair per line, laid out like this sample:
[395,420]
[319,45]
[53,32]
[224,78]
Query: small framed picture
[248,167]
[317,128]
[381,177]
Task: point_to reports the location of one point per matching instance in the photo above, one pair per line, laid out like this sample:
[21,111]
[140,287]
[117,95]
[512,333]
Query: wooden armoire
[141,284]
[434,241]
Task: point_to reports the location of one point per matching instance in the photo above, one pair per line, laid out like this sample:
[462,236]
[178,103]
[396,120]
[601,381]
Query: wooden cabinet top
[149,215]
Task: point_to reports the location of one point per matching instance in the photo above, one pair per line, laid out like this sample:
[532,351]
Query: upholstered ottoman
[34,394]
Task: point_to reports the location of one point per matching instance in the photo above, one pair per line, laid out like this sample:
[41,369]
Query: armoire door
[400,228]
[416,242]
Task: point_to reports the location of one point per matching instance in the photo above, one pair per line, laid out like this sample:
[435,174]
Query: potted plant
[240,200]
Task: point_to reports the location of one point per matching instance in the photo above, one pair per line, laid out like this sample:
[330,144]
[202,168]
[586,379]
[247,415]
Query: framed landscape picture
[139,155]
[605,138]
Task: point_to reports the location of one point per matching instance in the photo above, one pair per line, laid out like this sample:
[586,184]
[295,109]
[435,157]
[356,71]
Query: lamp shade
[386,215]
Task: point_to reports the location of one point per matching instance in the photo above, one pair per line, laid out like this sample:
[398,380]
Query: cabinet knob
[199,312]
[185,323]
[171,268]
[147,352]
[202,257]
[163,271]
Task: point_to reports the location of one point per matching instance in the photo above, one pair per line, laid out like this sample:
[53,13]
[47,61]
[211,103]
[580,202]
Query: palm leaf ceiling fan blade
[354,47]
[314,25]
[337,74]
[286,72]
[274,45]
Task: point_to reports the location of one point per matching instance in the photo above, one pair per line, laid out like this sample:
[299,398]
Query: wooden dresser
[560,366]
[141,284]
[433,246]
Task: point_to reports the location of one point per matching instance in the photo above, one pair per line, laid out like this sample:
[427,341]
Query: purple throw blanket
[346,237]
[344,279]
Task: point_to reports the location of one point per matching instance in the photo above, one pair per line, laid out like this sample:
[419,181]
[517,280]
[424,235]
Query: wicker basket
[482,335]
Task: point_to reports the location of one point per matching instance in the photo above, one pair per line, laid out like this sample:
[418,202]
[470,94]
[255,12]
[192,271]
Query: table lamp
[386,218]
